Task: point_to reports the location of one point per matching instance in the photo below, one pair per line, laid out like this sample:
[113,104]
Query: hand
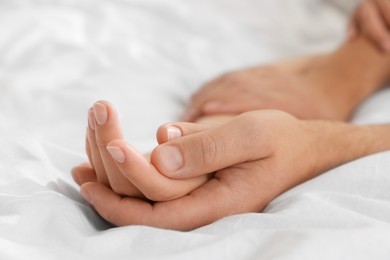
[255,157]
[372,18]
[281,86]
[120,167]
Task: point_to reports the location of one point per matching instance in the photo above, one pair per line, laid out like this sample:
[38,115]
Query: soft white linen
[147,56]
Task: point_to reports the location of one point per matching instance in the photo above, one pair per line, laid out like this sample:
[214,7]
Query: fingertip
[75,175]
[104,102]
[168,160]
[83,173]
[167,133]
[162,134]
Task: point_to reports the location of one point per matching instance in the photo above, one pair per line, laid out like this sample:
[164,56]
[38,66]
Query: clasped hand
[198,173]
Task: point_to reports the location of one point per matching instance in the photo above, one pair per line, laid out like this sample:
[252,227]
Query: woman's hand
[254,157]
[372,18]
[115,164]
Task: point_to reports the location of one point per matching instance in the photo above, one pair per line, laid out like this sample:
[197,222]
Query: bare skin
[372,18]
[136,177]
[267,160]
[320,87]
[202,172]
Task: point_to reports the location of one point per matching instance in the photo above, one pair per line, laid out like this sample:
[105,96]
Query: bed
[147,57]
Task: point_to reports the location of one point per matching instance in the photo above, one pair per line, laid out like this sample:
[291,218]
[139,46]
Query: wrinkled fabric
[147,57]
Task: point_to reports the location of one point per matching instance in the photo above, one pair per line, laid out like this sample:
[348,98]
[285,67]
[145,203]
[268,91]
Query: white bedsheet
[146,56]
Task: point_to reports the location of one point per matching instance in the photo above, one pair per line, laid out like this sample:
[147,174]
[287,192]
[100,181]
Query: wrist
[348,76]
[338,143]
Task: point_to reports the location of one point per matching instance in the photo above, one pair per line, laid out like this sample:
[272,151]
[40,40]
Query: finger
[94,152]
[234,104]
[88,149]
[84,173]
[236,141]
[146,178]
[107,128]
[229,86]
[172,131]
[373,26]
[205,205]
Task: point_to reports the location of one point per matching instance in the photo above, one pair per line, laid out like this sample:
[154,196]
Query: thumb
[204,152]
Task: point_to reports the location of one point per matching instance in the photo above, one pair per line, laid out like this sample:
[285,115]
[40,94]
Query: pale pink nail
[171,158]
[173,132]
[117,153]
[100,111]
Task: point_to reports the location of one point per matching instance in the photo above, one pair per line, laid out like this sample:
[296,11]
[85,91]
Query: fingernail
[100,111]
[213,105]
[173,133]
[386,46]
[117,153]
[171,158]
[91,119]
[86,195]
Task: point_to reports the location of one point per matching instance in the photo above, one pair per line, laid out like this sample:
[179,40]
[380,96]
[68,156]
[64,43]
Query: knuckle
[209,149]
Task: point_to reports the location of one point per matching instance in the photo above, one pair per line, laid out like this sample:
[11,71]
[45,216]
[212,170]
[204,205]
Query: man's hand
[254,157]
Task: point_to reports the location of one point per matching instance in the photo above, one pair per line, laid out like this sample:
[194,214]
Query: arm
[348,76]
[255,156]
[320,87]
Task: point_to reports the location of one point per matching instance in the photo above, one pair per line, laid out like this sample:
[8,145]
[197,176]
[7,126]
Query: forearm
[349,75]
[301,65]
[337,143]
